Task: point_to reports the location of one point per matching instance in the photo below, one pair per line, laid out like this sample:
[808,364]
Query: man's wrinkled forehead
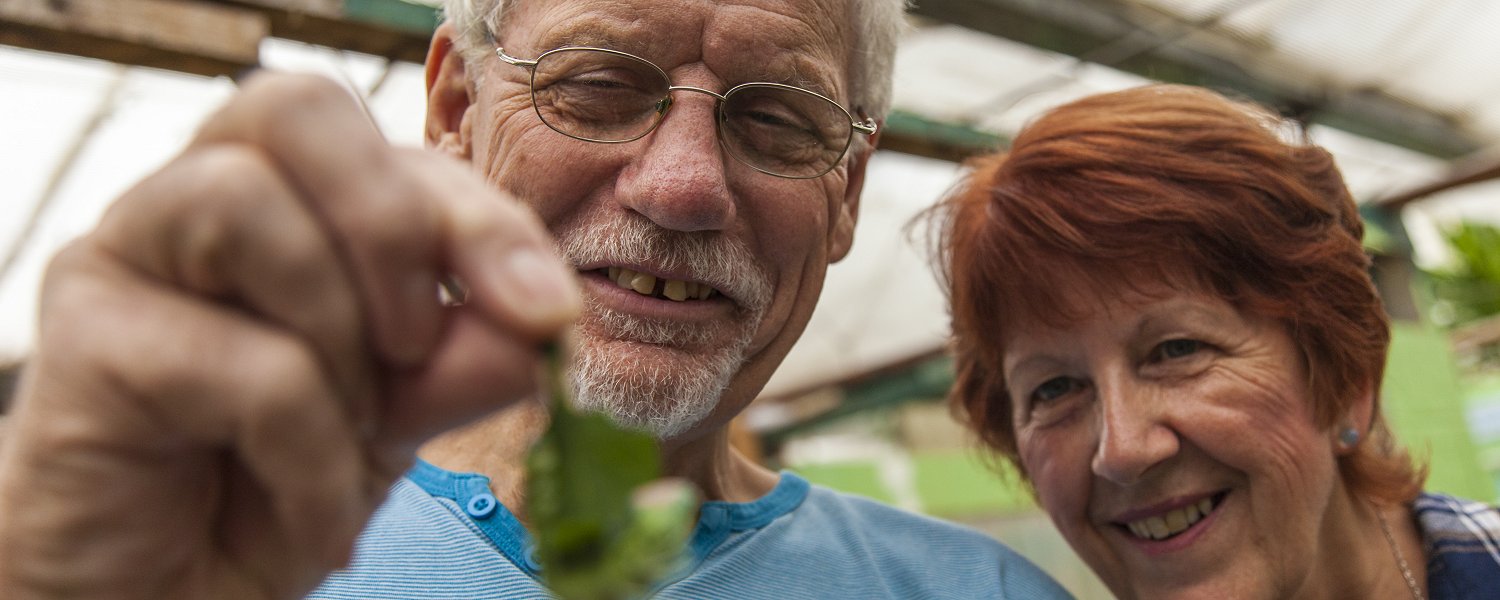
[800,42]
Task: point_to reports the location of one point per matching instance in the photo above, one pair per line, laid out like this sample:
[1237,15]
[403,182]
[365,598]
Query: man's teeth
[643,283]
[646,285]
[674,289]
[1174,522]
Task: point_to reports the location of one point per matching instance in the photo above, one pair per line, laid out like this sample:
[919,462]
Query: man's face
[670,214]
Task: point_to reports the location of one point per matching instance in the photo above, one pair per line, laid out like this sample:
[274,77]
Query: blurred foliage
[1469,288]
[1378,237]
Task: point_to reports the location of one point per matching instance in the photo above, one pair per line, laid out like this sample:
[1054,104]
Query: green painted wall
[1425,403]
[395,14]
[855,477]
[958,484]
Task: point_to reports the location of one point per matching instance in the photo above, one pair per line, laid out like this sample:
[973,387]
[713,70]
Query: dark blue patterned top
[1462,542]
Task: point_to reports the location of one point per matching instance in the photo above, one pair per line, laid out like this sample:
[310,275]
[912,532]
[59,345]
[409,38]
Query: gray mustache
[713,258]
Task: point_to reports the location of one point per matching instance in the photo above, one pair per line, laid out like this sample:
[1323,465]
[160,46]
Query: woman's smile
[1168,522]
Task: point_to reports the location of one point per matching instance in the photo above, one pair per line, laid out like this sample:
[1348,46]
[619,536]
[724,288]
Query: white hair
[877,25]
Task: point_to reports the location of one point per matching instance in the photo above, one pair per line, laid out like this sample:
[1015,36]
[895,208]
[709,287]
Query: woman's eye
[1054,388]
[1178,348]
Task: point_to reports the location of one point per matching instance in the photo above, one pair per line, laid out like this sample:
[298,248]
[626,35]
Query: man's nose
[678,178]
[1133,436]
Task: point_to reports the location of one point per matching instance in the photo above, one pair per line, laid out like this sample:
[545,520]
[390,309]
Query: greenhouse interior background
[94,94]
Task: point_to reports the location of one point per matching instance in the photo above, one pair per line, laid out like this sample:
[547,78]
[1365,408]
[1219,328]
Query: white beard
[662,377]
[663,400]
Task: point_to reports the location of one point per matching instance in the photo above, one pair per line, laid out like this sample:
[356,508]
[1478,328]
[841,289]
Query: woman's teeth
[1172,523]
[649,285]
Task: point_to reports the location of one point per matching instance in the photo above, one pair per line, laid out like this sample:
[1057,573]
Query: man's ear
[848,214]
[450,97]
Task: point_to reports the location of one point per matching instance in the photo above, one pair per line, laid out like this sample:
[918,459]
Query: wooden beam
[392,29]
[191,37]
[1484,166]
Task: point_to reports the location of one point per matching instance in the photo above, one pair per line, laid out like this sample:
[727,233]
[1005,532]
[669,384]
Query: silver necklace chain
[1411,582]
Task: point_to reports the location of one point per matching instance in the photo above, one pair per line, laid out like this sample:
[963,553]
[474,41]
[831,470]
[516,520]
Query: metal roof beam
[913,134]
[1094,31]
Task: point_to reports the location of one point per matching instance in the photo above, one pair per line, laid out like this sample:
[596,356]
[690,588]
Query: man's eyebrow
[588,35]
[801,77]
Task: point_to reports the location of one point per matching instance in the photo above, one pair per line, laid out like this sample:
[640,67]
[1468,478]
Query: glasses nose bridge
[668,102]
[688,88]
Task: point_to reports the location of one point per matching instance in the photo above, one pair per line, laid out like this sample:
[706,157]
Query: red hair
[1163,183]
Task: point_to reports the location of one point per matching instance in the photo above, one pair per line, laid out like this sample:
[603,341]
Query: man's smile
[646,284]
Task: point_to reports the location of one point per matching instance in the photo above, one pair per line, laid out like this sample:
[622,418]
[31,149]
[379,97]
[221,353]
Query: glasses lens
[598,95]
[784,130]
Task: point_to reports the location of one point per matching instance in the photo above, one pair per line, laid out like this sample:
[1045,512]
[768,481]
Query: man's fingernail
[537,287]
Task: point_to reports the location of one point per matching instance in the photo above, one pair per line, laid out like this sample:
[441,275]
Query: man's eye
[782,119]
[1055,388]
[1177,348]
[598,84]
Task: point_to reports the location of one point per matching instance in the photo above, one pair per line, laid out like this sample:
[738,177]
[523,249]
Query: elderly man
[234,368]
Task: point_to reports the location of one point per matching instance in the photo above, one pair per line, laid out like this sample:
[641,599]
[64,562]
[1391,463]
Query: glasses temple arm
[519,62]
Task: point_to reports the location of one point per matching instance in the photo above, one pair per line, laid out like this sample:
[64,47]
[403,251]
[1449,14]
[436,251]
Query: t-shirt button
[481,506]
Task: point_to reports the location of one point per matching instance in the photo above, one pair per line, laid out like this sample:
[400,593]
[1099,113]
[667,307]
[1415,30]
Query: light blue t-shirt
[442,535]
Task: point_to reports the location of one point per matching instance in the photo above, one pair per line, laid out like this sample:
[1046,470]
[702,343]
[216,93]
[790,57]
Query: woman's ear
[1358,419]
[450,97]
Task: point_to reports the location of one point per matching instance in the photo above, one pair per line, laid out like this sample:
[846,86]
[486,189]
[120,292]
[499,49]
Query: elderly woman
[1163,317]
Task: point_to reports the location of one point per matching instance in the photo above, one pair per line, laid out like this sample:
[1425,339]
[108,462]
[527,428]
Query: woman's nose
[1133,436]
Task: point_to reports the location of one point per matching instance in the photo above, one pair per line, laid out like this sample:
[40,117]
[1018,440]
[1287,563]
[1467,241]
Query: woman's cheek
[1058,471]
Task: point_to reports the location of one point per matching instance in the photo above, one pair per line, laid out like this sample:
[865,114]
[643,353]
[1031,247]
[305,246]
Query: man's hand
[232,368]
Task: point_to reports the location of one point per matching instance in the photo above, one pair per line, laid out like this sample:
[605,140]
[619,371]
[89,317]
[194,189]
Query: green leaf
[601,533]
[1469,289]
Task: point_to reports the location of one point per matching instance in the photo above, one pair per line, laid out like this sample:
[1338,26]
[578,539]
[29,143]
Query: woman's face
[1171,440]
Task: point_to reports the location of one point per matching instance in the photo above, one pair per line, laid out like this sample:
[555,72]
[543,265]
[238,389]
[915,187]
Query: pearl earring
[1348,437]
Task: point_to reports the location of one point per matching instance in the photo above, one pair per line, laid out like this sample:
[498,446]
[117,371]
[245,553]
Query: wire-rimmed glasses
[608,96]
